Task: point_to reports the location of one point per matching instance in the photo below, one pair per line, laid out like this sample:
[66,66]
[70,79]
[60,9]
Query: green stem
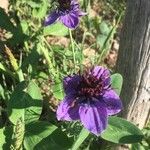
[19,71]
[20,75]
[73,49]
[82,56]
[48,45]
[50,64]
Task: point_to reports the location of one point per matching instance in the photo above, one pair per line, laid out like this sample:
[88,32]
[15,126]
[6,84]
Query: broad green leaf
[39,13]
[121,131]
[116,82]
[2,137]
[25,103]
[24,26]
[101,39]
[5,22]
[5,138]
[104,28]
[18,36]
[57,90]
[82,136]
[31,61]
[57,29]
[43,75]
[43,135]
[33,4]
[16,31]
[43,9]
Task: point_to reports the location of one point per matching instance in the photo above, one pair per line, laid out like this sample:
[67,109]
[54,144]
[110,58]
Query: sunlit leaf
[25,103]
[116,82]
[121,131]
[57,29]
[5,137]
[57,89]
[5,22]
[43,135]
[104,28]
[82,136]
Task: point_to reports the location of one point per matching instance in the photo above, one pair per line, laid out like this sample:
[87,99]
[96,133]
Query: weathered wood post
[134,62]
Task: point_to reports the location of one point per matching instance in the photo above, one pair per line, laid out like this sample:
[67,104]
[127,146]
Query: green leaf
[33,4]
[82,136]
[43,9]
[5,137]
[24,26]
[2,92]
[25,103]
[121,131]
[57,29]
[40,13]
[16,31]
[116,82]
[137,146]
[2,137]
[104,28]
[101,39]
[57,89]
[5,22]
[43,135]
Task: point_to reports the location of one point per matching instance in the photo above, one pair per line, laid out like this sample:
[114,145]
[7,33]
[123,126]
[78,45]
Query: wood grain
[134,62]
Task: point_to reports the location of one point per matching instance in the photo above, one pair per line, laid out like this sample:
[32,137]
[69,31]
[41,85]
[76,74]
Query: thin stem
[47,44]
[82,56]
[50,64]
[73,49]
[19,71]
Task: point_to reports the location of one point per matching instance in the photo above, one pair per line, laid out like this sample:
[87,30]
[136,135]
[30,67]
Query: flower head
[68,12]
[90,99]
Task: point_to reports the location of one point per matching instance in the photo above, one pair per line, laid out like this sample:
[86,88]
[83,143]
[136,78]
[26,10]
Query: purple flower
[90,99]
[68,12]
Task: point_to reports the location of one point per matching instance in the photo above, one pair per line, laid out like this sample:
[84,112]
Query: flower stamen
[64,4]
[90,86]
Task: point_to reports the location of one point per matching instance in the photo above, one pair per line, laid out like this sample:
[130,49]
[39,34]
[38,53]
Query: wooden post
[134,62]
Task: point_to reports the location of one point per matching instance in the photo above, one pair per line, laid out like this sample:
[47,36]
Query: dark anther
[64,4]
[90,86]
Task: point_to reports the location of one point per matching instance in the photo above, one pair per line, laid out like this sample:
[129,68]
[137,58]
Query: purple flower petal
[70,20]
[68,110]
[74,2]
[71,83]
[94,118]
[75,5]
[51,18]
[76,8]
[81,13]
[97,71]
[112,101]
[103,73]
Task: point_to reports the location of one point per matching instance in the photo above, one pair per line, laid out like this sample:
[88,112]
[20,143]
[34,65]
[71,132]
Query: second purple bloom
[68,12]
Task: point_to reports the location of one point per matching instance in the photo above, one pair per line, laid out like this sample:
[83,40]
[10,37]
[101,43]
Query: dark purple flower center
[64,4]
[90,86]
